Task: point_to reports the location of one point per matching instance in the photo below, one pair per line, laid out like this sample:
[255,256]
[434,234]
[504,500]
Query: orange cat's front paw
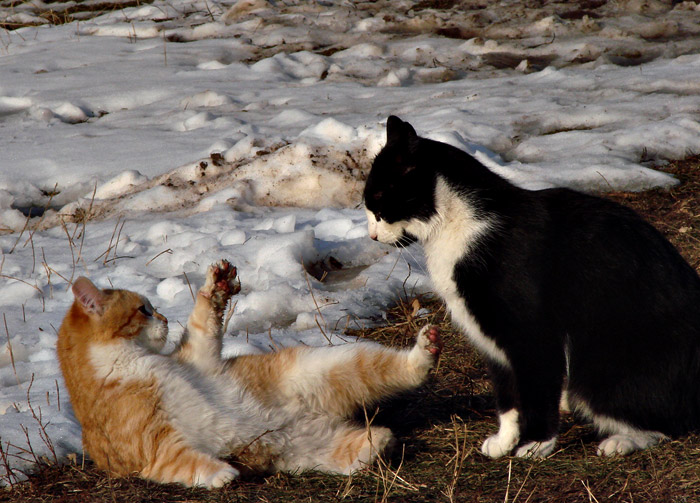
[221,283]
[210,478]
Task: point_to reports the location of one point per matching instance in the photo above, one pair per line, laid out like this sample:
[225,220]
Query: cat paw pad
[429,340]
[221,283]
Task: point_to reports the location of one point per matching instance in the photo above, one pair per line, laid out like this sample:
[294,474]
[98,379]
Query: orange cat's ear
[88,295]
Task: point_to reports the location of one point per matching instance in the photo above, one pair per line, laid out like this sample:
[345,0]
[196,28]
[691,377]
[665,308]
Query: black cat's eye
[145,311]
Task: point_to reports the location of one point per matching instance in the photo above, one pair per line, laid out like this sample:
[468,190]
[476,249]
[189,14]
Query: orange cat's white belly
[211,414]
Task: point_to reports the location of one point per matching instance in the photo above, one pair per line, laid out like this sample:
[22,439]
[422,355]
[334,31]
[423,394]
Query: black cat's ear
[398,131]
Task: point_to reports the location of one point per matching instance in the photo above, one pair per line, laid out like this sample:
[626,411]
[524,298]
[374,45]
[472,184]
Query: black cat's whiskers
[403,248]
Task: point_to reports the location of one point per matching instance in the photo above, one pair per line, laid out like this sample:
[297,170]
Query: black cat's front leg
[528,394]
[539,392]
[508,436]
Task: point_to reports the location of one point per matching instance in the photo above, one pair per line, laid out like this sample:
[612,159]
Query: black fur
[560,269]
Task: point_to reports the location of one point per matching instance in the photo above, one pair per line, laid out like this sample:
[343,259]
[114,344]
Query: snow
[164,137]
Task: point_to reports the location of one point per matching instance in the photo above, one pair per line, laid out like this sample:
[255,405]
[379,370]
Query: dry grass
[675,212]
[64,13]
[441,426]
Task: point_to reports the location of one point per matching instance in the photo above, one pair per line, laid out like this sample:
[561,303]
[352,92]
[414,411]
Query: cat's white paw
[626,443]
[496,446]
[502,443]
[428,345]
[218,478]
[537,449]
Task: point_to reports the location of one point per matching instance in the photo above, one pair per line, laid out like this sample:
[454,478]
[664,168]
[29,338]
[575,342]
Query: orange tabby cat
[172,418]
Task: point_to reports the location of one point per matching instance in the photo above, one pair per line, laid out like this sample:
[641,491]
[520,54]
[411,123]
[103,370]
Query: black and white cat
[558,290]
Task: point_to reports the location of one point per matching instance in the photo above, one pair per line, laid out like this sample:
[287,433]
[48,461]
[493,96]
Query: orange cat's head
[105,315]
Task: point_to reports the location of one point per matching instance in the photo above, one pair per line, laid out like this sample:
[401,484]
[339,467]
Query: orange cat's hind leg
[357,448]
[180,463]
[320,444]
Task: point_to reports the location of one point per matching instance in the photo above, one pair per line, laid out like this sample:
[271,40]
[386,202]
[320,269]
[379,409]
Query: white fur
[537,449]
[154,335]
[420,357]
[564,401]
[378,440]
[210,413]
[508,436]
[624,439]
[373,230]
[218,479]
[217,416]
[306,383]
[447,237]
[623,444]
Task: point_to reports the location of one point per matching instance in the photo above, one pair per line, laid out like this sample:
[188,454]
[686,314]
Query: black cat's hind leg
[627,440]
[623,438]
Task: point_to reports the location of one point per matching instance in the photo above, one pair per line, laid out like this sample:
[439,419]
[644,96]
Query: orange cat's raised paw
[429,338]
[225,277]
[221,283]
[427,349]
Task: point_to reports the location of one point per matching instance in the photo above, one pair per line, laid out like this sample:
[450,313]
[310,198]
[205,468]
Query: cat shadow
[417,417]
[411,415]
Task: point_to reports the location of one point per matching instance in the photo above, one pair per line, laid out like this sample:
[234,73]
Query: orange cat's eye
[144,310]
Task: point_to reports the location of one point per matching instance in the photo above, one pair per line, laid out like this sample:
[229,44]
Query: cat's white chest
[458,232]
[441,269]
